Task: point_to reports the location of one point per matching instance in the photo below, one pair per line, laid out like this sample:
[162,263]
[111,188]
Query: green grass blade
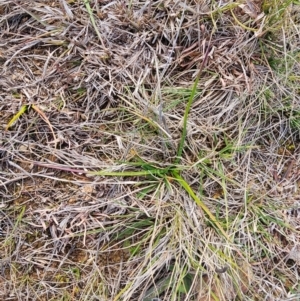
[185,117]
[126,173]
[90,12]
[17,116]
[191,193]
[188,107]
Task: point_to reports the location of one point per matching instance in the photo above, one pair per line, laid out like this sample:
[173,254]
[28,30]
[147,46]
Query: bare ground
[78,97]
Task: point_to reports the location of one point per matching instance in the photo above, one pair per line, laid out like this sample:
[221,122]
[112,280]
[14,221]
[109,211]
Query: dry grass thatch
[98,199]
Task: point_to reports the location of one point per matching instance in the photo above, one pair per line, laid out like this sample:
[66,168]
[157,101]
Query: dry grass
[114,100]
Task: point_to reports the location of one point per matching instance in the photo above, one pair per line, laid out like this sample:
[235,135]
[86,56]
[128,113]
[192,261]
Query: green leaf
[90,12]
[22,110]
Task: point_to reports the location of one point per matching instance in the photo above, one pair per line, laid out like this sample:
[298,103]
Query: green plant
[172,171]
[90,12]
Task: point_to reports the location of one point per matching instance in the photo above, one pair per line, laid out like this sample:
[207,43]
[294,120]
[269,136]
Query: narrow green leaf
[90,12]
[185,118]
[188,107]
[23,110]
[191,193]
[125,173]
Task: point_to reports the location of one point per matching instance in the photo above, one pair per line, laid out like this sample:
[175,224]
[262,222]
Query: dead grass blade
[44,117]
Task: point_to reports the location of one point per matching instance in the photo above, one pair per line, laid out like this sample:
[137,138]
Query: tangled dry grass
[112,96]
